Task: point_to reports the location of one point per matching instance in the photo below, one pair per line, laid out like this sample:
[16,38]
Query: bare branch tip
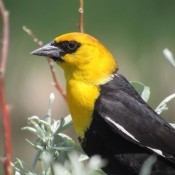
[27,30]
[53,83]
[81,10]
[40,43]
[51,63]
[35,40]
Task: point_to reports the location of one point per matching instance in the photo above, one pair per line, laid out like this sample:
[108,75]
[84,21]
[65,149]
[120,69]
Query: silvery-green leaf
[147,165]
[142,89]
[169,56]
[163,105]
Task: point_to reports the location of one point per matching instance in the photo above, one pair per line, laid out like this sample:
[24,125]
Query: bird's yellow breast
[81,100]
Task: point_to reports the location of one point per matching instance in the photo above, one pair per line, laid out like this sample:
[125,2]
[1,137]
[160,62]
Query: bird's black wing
[128,115]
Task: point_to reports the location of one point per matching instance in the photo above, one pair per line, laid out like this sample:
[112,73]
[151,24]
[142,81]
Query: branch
[81,12]
[4,107]
[5,41]
[39,44]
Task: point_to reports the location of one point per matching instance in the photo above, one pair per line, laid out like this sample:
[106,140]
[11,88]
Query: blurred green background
[135,31]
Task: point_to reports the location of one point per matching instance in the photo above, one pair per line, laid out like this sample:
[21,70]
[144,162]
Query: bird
[109,116]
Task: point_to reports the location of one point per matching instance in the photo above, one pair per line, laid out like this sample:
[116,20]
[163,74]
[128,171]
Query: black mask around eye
[67,46]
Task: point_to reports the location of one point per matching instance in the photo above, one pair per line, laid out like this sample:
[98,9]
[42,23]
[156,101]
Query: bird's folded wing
[134,120]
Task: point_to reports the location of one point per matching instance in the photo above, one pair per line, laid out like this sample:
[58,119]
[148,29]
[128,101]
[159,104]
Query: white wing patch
[121,128]
[156,151]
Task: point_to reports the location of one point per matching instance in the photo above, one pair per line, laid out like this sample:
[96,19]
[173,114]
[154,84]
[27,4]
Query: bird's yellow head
[81,56]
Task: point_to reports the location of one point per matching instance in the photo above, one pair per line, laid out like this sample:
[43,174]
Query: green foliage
[147,165]
[163,105]
[144,92]
[56,152]
[142,89]
[169,56]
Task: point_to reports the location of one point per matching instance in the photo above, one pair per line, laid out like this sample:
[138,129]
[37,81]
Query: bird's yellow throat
[81,99]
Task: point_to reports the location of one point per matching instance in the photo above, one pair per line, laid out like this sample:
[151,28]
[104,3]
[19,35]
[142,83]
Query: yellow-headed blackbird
[109,116]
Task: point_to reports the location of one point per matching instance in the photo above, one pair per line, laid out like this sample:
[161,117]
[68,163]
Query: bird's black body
[145,132]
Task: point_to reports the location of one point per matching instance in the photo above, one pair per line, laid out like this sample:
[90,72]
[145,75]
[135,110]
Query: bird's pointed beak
[49,50]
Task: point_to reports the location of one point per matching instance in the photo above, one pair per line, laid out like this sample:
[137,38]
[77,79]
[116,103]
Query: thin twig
[3,105]
[81,12]
[5,41]
[39,44]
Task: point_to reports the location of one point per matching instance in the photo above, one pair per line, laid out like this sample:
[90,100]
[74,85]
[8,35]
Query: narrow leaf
[163,105]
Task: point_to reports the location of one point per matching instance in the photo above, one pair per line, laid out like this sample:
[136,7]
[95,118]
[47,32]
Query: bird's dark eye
[72,45]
